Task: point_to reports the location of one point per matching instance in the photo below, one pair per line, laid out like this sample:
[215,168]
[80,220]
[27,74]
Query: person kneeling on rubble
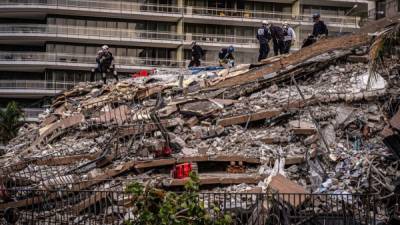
[226,57]
[320,31]
[105,64]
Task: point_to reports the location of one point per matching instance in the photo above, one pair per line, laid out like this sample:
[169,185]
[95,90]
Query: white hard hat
[285,23]
[264,22]
[104,47]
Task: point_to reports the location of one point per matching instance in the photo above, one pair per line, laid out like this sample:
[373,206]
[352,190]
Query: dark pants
[264,50]
[288,44]
[104,69]
[194,62]
[279,47]
[308,41]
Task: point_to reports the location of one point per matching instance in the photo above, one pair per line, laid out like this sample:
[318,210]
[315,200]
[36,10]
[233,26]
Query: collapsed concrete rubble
[313,125]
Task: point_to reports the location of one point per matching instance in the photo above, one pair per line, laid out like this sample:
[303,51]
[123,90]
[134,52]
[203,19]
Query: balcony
[32,88]
[38,61]
[80,34]
[168,13]
[114,9]
[238,17]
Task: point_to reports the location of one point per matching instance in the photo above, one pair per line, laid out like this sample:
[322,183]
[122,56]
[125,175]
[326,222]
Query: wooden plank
[217,178]
[241,119]
[281,184]
[155,163]
[235,158]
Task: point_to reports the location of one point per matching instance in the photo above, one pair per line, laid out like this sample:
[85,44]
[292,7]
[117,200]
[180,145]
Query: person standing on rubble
[277,39]
[226,56]
[197,54]
[289,37]
[105,64]
[263,36]
[319,30]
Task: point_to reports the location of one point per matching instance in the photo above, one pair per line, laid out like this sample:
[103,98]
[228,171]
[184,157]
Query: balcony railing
[117,34]
[93,5]
[63,58]
[124,7]
[35,84]
[87,32]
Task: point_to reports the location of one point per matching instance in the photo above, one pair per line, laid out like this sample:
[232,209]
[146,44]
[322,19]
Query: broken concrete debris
[246,130]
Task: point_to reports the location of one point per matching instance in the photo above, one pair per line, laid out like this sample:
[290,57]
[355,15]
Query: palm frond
[383,44]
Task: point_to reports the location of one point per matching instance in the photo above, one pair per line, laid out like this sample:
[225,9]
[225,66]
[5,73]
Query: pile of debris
[309,122]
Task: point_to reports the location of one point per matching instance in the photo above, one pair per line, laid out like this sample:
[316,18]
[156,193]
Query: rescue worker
[319,31]
[105,64]
[263,36]
[277,39]
[226,56]
[289,37]
[197,54]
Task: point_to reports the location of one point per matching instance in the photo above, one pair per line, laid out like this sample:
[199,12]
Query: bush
[152,205]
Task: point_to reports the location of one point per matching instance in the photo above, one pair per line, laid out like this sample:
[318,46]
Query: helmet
[285,23]
[264,22]
[104,47]
[316,15]
[231,49]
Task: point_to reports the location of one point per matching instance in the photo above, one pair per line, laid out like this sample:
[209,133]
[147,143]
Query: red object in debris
[164,152]
[142,73]
[182,170]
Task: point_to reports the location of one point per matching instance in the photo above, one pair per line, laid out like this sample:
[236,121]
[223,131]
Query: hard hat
[231,49]
[104,47]
[315,15]
[264,22]
[285,23]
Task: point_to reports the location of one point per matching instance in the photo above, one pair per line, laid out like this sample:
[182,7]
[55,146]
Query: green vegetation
[10,121]
[155,206]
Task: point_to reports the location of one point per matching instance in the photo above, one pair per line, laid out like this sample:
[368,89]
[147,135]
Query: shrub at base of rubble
[152,205]
[10,121]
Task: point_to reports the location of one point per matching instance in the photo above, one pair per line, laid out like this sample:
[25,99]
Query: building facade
[49,45]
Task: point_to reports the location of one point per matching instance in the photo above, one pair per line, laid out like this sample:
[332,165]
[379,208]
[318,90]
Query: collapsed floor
[314,127]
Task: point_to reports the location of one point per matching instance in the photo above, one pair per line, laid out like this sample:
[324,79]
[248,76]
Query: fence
[115,207]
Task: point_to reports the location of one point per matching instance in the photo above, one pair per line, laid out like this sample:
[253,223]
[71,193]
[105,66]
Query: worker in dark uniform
[226,56]
[277,39]
[105,64]
[263,36]
[197,54]
[320,30]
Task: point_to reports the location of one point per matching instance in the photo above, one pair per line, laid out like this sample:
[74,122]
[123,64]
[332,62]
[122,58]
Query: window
[398,5]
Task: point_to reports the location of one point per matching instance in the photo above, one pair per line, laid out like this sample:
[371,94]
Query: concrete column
[296,8]
[371,6]
[179,31]
[296,12]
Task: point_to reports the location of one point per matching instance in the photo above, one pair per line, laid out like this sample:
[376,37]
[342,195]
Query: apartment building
[49,45]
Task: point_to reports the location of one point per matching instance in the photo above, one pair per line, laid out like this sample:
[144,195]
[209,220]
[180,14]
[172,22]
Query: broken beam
[241,119]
